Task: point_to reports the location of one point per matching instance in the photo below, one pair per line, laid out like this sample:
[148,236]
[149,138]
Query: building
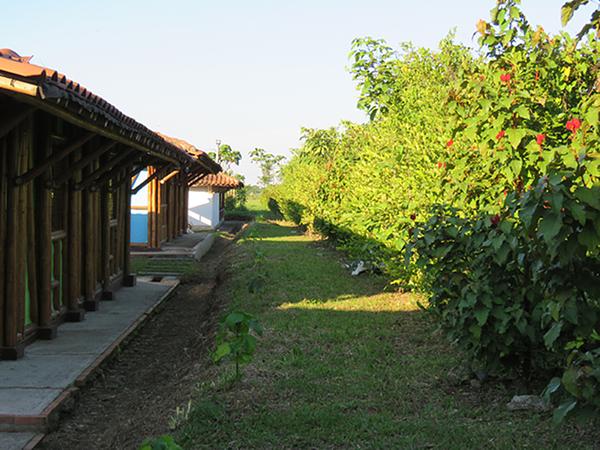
[159,207]
[206,204]
[67,158]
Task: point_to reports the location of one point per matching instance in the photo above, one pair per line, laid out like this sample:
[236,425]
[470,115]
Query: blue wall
[139,228]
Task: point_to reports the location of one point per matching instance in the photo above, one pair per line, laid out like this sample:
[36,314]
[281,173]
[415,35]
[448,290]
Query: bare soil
[135,395]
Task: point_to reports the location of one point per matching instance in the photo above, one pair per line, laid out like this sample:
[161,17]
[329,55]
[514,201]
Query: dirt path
[138,391]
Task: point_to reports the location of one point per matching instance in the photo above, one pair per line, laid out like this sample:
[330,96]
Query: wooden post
[10,349]
[105,233]
[90,303]
[129,279]
[24,131]
[31,239]
[2,234]
[74,312]
[44,231]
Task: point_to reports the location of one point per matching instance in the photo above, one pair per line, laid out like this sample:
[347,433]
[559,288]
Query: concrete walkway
[34,388]
[185,245]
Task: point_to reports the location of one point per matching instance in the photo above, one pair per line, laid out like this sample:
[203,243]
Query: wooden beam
[150,178]
[87,159]
[106,168]
[19,86]
[101,182]
[168,177]
[128,176]
[53,158]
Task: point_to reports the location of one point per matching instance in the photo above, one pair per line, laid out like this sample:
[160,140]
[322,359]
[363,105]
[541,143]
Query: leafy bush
[477,181]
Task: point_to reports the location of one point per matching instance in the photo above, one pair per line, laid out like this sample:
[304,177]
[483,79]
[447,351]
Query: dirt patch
[135,395]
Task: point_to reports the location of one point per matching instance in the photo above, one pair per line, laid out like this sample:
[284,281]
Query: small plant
[164,442]
[181,415]
[235,339]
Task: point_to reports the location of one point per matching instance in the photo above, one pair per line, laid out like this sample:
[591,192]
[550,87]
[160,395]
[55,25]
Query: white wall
[203,208]
[140,198]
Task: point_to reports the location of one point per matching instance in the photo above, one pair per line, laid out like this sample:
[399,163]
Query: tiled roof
[193,151]
[51,90]
[219,180]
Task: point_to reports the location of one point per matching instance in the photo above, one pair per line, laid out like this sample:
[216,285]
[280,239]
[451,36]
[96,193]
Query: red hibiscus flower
[495,219]
[540,138]
[505,77]
[450,143]
[500,135]
[573,125]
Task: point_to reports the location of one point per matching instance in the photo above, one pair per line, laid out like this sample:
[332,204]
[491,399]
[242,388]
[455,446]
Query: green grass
[256,207]
[343,364]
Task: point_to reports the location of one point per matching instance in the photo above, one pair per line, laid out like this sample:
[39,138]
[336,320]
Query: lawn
[345,364]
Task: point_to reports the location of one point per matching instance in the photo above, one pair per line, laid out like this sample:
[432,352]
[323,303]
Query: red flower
[540,138]
[500,135]
[573,125]
[495,219]
[450,143]
[441,165]
[505,77]
[537,75]
[413,216]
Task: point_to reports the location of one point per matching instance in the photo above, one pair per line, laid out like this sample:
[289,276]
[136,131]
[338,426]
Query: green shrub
[486,168]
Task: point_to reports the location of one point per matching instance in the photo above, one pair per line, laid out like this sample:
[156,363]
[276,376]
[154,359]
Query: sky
[248,73]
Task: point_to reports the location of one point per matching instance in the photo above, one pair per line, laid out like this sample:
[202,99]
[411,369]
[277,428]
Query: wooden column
[75,313]
[152,211]
[105,243]
[10,348]
[129,279]
[43,210]
[186,194]
[31,235]
[3,185]
[89,256]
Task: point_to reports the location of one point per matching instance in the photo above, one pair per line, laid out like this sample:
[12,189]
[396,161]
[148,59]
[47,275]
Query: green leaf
[233,319]
[564,409]
[481,315]
[589,237]
[550,225]
[578,212]
[566,13]
[552,334]
[552,387]
[569,381]
[591,196]
[522,112]
[515,136]
[221,352]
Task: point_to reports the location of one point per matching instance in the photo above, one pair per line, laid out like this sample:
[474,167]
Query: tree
[226,157]
[269,165]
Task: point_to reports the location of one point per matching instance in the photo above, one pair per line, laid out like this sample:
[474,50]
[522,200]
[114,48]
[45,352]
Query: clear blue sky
[250,73]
